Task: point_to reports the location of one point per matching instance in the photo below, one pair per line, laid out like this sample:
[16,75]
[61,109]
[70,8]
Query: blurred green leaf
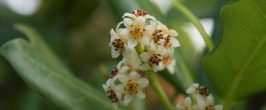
[40,72]
[237,65]
[37,42]
[122,6]
[72,13]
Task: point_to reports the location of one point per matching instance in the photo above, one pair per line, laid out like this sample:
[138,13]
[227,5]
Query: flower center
[118,44]
[167,43]
[112,96]
[209,107]
[139,13]
[167,60]
[136,30]
[114,72]
[155,59]
[202,90]
[132,87]
[158,37]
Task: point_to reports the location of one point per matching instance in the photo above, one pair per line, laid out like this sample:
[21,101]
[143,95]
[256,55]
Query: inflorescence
[145,44]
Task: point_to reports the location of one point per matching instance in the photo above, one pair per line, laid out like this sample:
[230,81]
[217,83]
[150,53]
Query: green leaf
[37,42]
[38,71]
[237,66]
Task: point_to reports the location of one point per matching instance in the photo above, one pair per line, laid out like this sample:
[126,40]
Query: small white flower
[119,69]
[169,61]
[170,39]
[111,92]
[208,104]
[136,30]
[197,89]
[117,44]
[153,59]
[138,13]
[192,89]
[187,105]
[132,85]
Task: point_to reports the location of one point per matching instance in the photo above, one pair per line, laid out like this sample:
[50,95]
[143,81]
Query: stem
[154,82]
[195,22]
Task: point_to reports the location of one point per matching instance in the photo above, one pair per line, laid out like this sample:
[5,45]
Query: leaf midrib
[232,89]
[50,73]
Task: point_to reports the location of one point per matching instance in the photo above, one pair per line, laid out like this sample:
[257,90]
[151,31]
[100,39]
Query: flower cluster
[203,100]
[145,44]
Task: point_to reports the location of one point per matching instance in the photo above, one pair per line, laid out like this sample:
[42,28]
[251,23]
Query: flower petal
[128,15]
[132,43]
[218,107]
[175,42]
[144,40]
[123,69]
[144,67]
[134,74]
[127,22]
[141,95]
[132,58]
[122,78]
[127,99]
[191,90]
[149,29]
[123,33]
[210,100]
[119,88]
[114,53]
[143,82]
[140,20]
[173,33]
[144,56]
[188,102]
[171,67]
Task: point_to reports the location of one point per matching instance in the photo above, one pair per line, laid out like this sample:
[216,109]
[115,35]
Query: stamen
[118,44]
[158,36]
[132,87]
[139,12]
[167,43]
[112,96]
[155,59]
[202,90]
[136,30]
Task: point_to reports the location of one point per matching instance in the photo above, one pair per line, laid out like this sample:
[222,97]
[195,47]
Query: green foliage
[74,12]
[237,66]
[45,74]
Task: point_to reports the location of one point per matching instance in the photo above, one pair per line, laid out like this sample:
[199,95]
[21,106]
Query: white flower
[119,69]
[204,100]
[198,90]
[116,43]
[136,30]
[111,92]
[208,104]
[138,13]
[187,105]
[169,61]
[154,59]
[132,85]
[192,89]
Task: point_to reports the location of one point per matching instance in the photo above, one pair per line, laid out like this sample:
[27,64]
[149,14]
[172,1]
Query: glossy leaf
[65,91]
[237,65]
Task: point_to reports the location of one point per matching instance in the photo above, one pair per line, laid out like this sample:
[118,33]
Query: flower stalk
[155,85]
[195,22]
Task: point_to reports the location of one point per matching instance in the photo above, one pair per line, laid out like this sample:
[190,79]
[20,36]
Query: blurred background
[78,30]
